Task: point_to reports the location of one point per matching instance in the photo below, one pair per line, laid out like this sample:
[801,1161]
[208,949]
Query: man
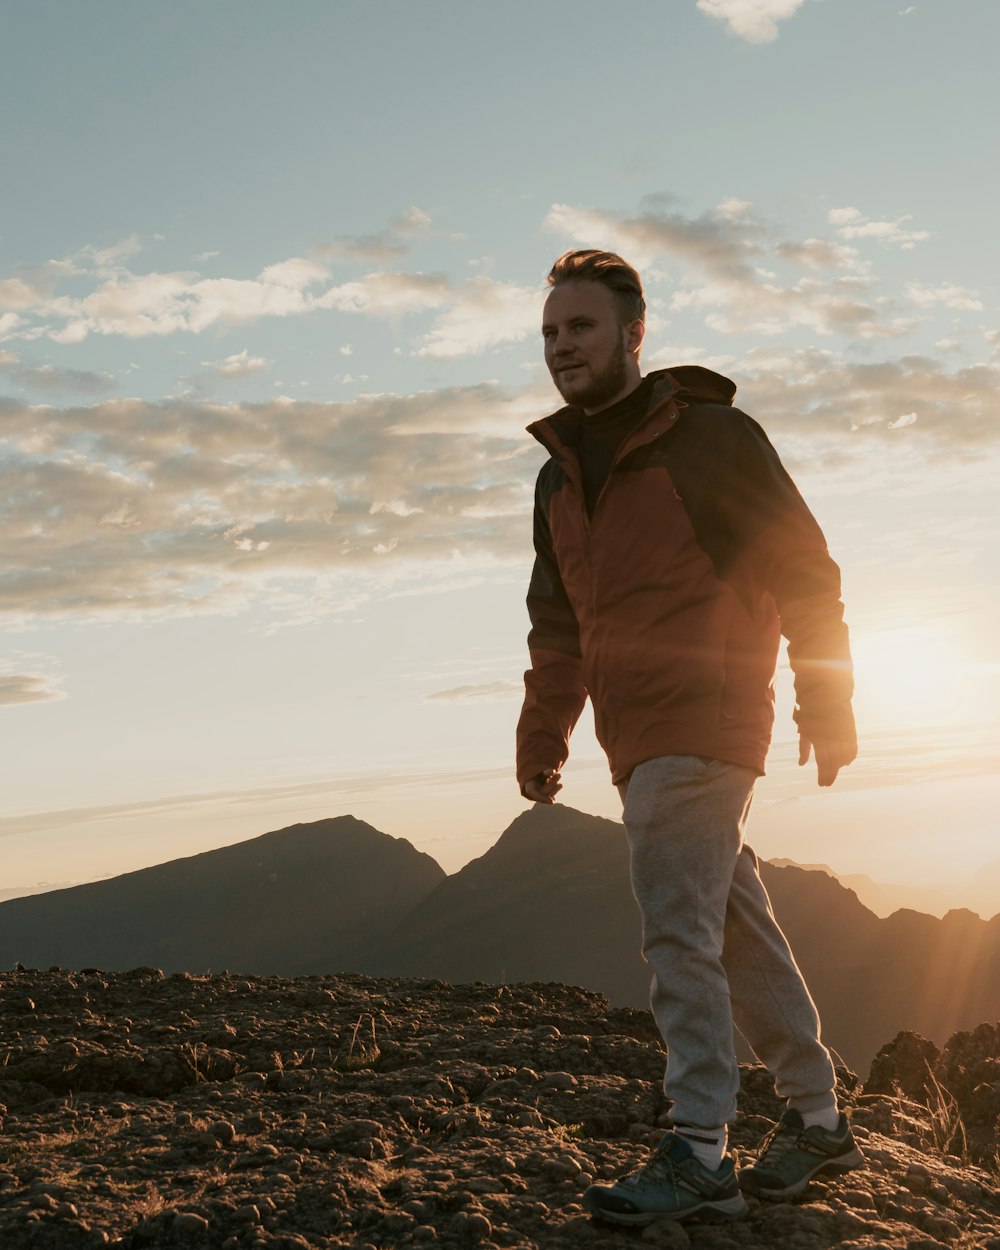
[672,550]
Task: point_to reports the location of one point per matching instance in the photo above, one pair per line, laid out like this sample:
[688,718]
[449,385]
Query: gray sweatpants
[716,952]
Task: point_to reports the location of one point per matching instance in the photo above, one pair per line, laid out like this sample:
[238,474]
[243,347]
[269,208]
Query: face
[592,357]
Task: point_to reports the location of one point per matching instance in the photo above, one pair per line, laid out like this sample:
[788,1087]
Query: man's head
[592,326]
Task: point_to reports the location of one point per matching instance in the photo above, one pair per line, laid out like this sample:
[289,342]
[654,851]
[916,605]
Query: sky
[270,291]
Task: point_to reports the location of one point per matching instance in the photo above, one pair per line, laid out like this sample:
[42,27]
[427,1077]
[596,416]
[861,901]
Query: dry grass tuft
[362,1050]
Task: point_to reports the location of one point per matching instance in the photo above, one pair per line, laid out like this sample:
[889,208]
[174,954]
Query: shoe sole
[845,1163]
[722,1209]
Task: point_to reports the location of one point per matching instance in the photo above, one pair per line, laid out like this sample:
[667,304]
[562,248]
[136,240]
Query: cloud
[28,688]
[490,692]
[766,308]
[731,264]
[958,297]
[239,365]
[50,380]
[483,314]
[473,316]
[388,294]
[15,293]
[851,224]
[725,241]
[128,508]
[756,21]
[109,256]
[296,273]
[818,254]
[384,246]
[845,403]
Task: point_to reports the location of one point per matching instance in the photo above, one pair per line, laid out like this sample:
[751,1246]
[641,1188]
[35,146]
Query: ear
[634,334]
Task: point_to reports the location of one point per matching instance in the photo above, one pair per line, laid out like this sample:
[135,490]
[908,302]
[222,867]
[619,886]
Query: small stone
[190,1222]
[559,1080]
[250,1214]
[223,1132]
[398,1222]
[666,1235]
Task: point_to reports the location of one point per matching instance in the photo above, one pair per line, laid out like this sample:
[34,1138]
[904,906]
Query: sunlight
[917,675]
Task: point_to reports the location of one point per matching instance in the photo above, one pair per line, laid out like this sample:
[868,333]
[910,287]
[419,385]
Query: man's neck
[631,385]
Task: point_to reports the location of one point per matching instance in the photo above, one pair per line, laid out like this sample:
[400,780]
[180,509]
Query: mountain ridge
[549,901]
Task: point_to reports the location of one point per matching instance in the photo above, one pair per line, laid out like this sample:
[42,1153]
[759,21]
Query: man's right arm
[554,692]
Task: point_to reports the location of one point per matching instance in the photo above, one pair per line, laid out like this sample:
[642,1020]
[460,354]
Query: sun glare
[917,675]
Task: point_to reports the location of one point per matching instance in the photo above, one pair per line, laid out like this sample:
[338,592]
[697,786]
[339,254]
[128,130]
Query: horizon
[881,897]
[265,373]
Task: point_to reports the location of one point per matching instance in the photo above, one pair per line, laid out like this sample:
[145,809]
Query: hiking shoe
[791,1155]
[673,1185]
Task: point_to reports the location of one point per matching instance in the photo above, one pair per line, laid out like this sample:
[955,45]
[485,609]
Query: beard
[597,390]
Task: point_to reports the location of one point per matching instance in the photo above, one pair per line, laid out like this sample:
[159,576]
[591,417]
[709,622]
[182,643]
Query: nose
[560,344]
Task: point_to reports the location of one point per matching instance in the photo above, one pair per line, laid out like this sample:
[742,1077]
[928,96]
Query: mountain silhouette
[309,898]
[550,901]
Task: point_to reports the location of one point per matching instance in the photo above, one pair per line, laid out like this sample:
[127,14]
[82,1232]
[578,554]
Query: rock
[486,1117]
[666,1235]
[903,1065]
[189,1223]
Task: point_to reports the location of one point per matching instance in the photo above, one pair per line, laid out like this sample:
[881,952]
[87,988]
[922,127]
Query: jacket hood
[695,382]
[685,384]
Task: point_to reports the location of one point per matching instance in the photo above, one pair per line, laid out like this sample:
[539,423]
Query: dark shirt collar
[634,403]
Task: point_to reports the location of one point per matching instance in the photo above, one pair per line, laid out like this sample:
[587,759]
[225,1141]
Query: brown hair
[591,265]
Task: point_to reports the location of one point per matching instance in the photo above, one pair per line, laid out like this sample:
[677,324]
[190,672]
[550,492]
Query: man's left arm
[805,583]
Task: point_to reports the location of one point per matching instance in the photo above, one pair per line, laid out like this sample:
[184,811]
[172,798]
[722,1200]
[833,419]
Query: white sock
[825,1117]
[708,1144]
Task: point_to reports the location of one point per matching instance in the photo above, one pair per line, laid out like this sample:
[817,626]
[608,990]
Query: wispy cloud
[958,297]
[482,314]
[489,692]
[239,365]
[28,688]
[48,379]
[383,246]
[127,507]
[756,21]
[388,295]
[852,224]
[724,242]
[729,263]
[816,392]
[184,506]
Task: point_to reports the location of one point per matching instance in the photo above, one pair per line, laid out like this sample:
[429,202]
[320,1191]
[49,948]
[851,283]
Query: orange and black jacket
[667,605]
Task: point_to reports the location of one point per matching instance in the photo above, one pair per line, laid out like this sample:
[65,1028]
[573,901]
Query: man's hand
[831,756]
[544,787]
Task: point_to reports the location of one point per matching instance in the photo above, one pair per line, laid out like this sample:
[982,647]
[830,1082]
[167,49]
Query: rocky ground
[343,1111]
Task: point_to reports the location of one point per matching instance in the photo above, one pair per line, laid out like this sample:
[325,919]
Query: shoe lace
[777,1143]
[659,1167]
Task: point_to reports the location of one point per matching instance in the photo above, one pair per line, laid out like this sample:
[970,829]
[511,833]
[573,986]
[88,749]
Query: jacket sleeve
[554,692]
[789,552]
